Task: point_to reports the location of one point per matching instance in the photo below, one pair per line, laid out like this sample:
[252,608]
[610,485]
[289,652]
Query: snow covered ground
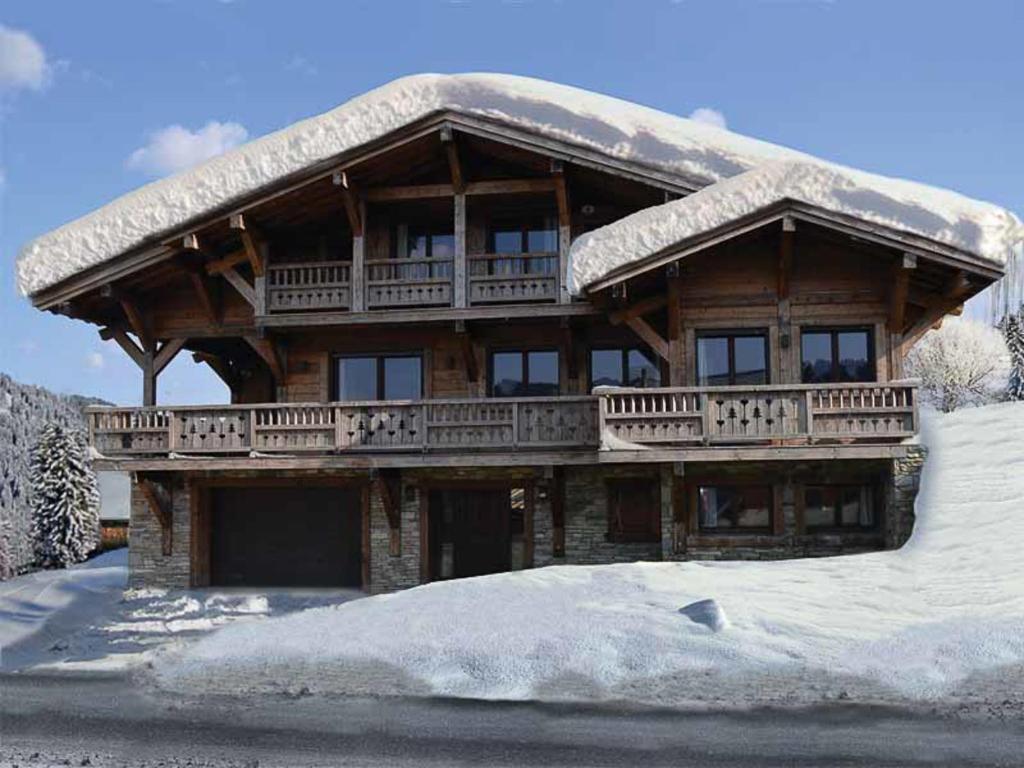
[82,618]
[943,617]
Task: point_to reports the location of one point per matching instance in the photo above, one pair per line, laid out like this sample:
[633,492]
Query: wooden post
[148,377]
[676,363]
[787,246]
[359,263]
[564,233]
[459,271]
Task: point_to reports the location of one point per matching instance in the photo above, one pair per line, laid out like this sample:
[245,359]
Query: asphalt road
[108,721]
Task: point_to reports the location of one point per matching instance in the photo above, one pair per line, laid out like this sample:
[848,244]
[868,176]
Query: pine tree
[1013,331]
[66,499]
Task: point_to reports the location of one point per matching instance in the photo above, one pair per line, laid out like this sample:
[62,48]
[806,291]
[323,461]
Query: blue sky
[926,90]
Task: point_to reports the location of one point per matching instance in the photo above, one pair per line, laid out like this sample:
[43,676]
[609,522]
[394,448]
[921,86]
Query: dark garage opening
[286,536]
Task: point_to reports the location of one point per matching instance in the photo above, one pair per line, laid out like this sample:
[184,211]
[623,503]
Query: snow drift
[696,152]
[913,623]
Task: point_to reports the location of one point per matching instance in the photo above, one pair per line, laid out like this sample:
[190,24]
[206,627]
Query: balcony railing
[612,418]
[496,278]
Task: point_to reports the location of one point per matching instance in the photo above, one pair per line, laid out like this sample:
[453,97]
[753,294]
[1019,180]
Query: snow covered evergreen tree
[959,364]
[66,498]
[1013,332]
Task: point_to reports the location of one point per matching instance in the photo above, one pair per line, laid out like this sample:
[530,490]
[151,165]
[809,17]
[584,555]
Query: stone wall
[148,566]
[903,488]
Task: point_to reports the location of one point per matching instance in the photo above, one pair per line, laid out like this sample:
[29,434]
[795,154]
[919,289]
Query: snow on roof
[945,217]
[698,152]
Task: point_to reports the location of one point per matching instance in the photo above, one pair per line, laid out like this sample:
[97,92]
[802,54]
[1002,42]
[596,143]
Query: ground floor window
[735,507]
[634,513]
[378,377]
[839,506]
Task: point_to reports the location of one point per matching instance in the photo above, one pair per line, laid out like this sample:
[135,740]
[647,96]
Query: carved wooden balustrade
[309,285]
[612,418]
[408,283]
[759,414]
[512,277]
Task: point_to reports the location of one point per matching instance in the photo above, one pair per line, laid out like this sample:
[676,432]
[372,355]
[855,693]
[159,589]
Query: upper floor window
[839,506]
[532,373]
[624,367]
[836,354]
[731,358]
[516,237]
[420,243]
[378,377]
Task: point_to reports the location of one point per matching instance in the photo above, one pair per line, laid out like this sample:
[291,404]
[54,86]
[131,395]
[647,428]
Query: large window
[524,373]
[621,367]
[727,508]
[837,354]
[634,513]
[728,358]
[436,243]
[839,506]
[514,237]
[378,377]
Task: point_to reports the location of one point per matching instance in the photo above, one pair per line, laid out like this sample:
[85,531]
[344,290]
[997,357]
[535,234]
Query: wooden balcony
[491,279]
[615,419]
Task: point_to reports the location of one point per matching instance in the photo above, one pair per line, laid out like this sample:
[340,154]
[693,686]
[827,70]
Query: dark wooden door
[479,531]
[286,536]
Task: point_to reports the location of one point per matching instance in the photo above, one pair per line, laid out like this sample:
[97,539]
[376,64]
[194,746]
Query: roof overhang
[864,230]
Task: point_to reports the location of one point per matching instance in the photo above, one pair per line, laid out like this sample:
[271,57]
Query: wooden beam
[230,261]
[349,198]
[166,353]
[125,342]
[424,191]
[676,362]
[250,244]
[785,271]
[451,150]
[416,192]
[571,348]
[270,353]
[358,270]
[158,496]
[136,320]
[460,265]
[244,289]
[653,339]
[898,292]
[642,307]
[207,293]
[510,186]
[468,351]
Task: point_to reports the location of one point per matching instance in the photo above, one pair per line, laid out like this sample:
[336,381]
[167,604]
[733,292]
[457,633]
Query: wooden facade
[448,244]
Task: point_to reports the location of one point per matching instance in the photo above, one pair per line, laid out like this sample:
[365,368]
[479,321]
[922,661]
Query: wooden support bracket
[351,201]
[251,243]
[451,150]
[271,354]
[239,283]
[157,492]
[650,336]
[166,353]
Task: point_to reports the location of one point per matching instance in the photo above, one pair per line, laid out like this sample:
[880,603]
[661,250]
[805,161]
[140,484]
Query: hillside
[939,618]
[24,410]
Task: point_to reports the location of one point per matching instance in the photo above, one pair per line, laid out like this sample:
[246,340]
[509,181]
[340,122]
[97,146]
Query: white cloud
[22,61]
[94,361]
[176,148]
[708,116]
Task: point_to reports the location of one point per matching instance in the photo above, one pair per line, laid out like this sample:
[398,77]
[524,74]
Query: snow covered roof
[945,217]
[698,153]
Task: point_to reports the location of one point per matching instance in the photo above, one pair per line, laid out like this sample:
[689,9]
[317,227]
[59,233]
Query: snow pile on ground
[913,623]
[700,154]
[595,254]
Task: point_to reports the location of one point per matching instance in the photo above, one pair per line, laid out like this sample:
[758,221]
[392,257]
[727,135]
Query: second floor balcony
[611,419]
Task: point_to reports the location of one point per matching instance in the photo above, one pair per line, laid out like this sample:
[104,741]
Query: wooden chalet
[417,393]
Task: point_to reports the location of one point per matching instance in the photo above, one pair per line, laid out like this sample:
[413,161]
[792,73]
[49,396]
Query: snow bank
[698,152]
[902,206]
[912,623]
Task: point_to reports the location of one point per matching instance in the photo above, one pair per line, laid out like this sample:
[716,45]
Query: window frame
[701,530]
[624,351]
[379,357]
[652,486]
[834,331]
[526,224]
[874,493]
[731,334]
[525,353]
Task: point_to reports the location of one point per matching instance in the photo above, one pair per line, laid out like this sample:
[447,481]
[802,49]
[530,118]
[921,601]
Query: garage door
[286,537]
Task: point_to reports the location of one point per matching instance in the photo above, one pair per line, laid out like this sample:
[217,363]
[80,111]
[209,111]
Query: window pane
[507,374]
[605,367]
[543,373]
[713,360]
[357,378]
[854,362]
[508,241]
[816,356]
[442,246]
[417,244]
[734,507]
[643,371]
[819,508]
[402,378]
[857,507]
[542,240]
[751,360]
